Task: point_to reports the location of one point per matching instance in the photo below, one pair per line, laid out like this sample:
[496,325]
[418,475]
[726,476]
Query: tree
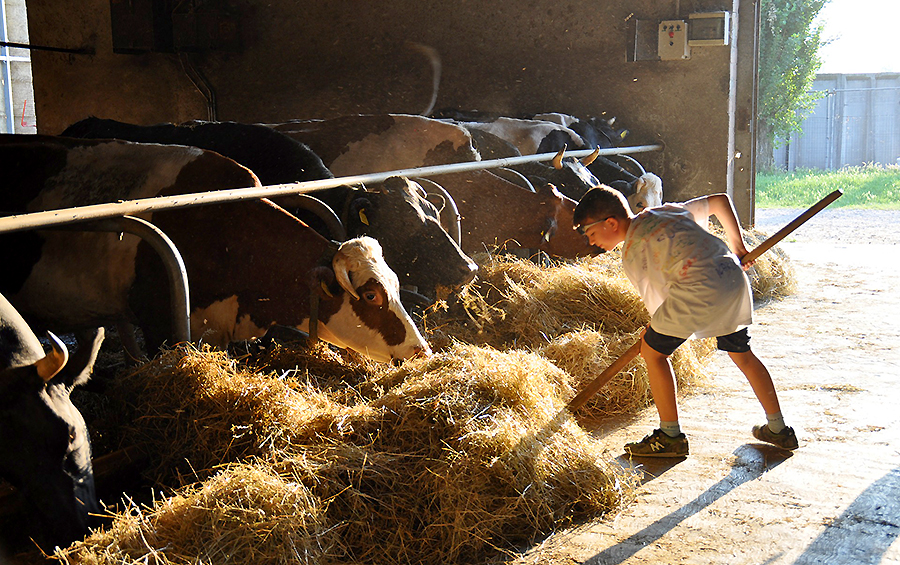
[789,42]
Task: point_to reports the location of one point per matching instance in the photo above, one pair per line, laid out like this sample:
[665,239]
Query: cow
[45,449]
[406,225]
[274,158]
[250,264]
[554,132]
[495,212]
[645,192]
[530,137]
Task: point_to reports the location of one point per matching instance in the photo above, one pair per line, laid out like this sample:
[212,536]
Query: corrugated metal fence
[857,122]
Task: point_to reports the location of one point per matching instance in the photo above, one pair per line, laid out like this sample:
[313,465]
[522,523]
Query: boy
[693,286]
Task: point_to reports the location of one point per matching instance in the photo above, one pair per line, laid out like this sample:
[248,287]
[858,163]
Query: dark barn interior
[155,61]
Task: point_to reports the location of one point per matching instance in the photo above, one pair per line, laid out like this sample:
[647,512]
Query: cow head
[644,192]
[45,450]
[562,242]
[362,310]
[408,228]
[571,176]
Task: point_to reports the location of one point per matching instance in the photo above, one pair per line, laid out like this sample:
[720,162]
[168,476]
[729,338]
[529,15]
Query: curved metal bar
[455,230]
[317,207]
[515,177]
[78,214]
[171,258]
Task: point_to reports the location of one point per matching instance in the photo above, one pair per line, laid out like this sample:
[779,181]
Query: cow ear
[54,361]
[361,210]
[321,281]
[394,184]
[549,230]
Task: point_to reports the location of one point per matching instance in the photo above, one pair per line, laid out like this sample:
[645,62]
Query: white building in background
[16,90]
[856,122]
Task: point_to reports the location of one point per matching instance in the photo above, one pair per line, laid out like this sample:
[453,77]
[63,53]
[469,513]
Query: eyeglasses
[583,229]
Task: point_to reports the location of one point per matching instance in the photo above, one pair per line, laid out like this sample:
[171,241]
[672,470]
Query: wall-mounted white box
[672,42]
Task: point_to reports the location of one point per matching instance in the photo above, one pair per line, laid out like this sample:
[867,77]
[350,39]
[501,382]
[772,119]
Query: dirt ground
[833,350]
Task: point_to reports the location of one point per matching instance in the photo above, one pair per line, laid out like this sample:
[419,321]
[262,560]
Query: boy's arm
[721,207]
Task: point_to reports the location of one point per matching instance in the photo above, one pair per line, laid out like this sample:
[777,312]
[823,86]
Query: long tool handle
[795,223]
[595,385]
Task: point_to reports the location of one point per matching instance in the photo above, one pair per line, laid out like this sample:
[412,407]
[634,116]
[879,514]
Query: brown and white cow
[250,264]
[494,211]
[415,246]
[45,449]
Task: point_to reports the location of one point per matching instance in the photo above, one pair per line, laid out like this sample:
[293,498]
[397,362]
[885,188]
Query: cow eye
[372,297]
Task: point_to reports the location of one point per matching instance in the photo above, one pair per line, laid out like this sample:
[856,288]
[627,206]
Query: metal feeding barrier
[118,216]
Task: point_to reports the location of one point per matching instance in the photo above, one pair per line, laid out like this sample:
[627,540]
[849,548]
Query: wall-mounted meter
[709,28]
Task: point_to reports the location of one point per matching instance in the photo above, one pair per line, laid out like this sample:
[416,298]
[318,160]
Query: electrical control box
[673,40]
[709,28]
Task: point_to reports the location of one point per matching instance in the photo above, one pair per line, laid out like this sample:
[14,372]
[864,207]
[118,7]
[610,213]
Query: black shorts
[737,342]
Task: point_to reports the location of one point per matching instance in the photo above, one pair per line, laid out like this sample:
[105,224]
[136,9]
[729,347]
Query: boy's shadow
[753,460]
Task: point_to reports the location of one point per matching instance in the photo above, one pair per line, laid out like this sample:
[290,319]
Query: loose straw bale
[194,409]
[468,451]
[771,276]
[473,449]
[584,354]
[581,315]
[245,514]
[515,303]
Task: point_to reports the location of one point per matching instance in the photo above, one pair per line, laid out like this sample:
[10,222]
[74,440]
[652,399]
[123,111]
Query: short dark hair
[601,202]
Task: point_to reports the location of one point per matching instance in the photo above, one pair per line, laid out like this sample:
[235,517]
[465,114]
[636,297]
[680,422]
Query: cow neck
[327,259]
[345,209]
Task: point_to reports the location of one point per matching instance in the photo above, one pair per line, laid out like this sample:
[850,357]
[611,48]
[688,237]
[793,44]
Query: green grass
[869,186]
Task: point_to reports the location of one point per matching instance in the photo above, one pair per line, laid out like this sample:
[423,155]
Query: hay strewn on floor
[298,456]
[771,276]
[465,452]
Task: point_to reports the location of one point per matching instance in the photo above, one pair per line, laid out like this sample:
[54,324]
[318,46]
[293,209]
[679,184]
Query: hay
[517,304]
[772,275]
[464,453]
[583,355]
[244,514]
[309,456]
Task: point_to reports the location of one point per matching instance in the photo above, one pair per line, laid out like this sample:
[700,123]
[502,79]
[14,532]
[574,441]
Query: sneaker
[659,444]
[785,439]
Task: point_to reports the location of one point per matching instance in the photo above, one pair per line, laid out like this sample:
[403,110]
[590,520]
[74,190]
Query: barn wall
[323,59]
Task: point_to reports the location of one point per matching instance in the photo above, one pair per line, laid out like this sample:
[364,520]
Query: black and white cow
[45,449]
[250,264]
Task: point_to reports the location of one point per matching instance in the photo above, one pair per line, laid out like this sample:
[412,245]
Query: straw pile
[298,456]
[443,460]
[771,276]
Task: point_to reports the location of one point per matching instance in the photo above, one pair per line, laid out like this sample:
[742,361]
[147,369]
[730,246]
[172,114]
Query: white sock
[671,429]
[776,422]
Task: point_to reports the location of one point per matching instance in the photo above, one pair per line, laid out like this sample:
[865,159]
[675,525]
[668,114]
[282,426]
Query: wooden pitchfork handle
[594,386]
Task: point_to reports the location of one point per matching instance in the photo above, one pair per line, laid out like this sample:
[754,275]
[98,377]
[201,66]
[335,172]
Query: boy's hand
[741,255]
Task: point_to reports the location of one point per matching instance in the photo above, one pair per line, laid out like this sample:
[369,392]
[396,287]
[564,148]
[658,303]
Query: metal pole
[22,222]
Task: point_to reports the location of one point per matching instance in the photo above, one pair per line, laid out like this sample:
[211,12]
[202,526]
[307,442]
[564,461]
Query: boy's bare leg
[759,379]
[662,383]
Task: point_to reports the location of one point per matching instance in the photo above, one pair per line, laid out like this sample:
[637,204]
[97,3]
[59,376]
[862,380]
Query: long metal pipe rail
[22,222]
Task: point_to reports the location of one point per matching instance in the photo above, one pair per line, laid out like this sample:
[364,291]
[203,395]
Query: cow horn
[54,361]
[342,274]
[590,158]
[557,160]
